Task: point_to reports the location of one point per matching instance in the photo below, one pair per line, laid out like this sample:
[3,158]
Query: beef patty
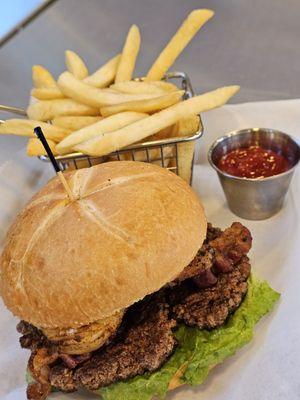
[144,346]
[147,344]
[209,308]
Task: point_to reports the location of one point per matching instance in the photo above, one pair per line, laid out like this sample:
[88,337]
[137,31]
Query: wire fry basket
[173,153]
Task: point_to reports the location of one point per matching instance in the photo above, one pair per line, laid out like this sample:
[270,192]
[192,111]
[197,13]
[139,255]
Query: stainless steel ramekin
[259,198]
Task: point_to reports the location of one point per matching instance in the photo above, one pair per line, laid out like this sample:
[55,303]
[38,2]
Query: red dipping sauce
[253,162]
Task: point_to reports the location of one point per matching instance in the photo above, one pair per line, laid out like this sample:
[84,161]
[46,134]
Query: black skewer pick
[39,133]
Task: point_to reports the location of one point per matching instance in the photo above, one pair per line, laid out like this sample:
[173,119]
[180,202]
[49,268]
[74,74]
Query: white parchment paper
[266,369]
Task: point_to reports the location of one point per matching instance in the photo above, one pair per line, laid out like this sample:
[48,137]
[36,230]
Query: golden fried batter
[85,338]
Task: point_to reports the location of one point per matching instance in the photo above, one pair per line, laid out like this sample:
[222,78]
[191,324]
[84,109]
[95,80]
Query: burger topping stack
[144,339]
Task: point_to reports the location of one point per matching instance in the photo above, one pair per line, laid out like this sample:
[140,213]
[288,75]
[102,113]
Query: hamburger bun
[133,228]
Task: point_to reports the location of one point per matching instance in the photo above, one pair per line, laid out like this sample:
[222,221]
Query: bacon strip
[231,246]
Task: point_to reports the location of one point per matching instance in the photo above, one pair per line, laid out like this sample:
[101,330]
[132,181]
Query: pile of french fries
[99,113]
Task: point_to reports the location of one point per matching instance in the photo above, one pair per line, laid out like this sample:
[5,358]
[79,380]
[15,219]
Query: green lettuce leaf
[200,350]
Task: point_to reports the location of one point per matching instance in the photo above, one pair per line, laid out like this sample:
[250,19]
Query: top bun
[133,228]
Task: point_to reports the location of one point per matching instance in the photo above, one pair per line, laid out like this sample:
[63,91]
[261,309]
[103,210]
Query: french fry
[133,87]
[146,106]
[185,155]
[86,94]
[110,90]
[25,127]
[106,125]
[106,143]
[45,86]
[105,75]
[166,86]
[35,147]
[74,123]
[45,110]
[129,55]
[50,93]
[168,132]
[76,65]
[186,127]
[195,20]
[42,78]
[154,155]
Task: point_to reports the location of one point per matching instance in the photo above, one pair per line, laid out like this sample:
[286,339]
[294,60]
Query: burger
[127,291]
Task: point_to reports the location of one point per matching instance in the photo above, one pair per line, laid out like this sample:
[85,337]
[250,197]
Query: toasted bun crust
[134,227]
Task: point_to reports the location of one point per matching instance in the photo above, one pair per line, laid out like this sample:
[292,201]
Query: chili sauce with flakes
[253,162]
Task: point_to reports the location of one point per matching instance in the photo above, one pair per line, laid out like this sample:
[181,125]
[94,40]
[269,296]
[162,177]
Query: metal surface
[162,152]
[13,110]
[255,199]
[28,10]
[256,49]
